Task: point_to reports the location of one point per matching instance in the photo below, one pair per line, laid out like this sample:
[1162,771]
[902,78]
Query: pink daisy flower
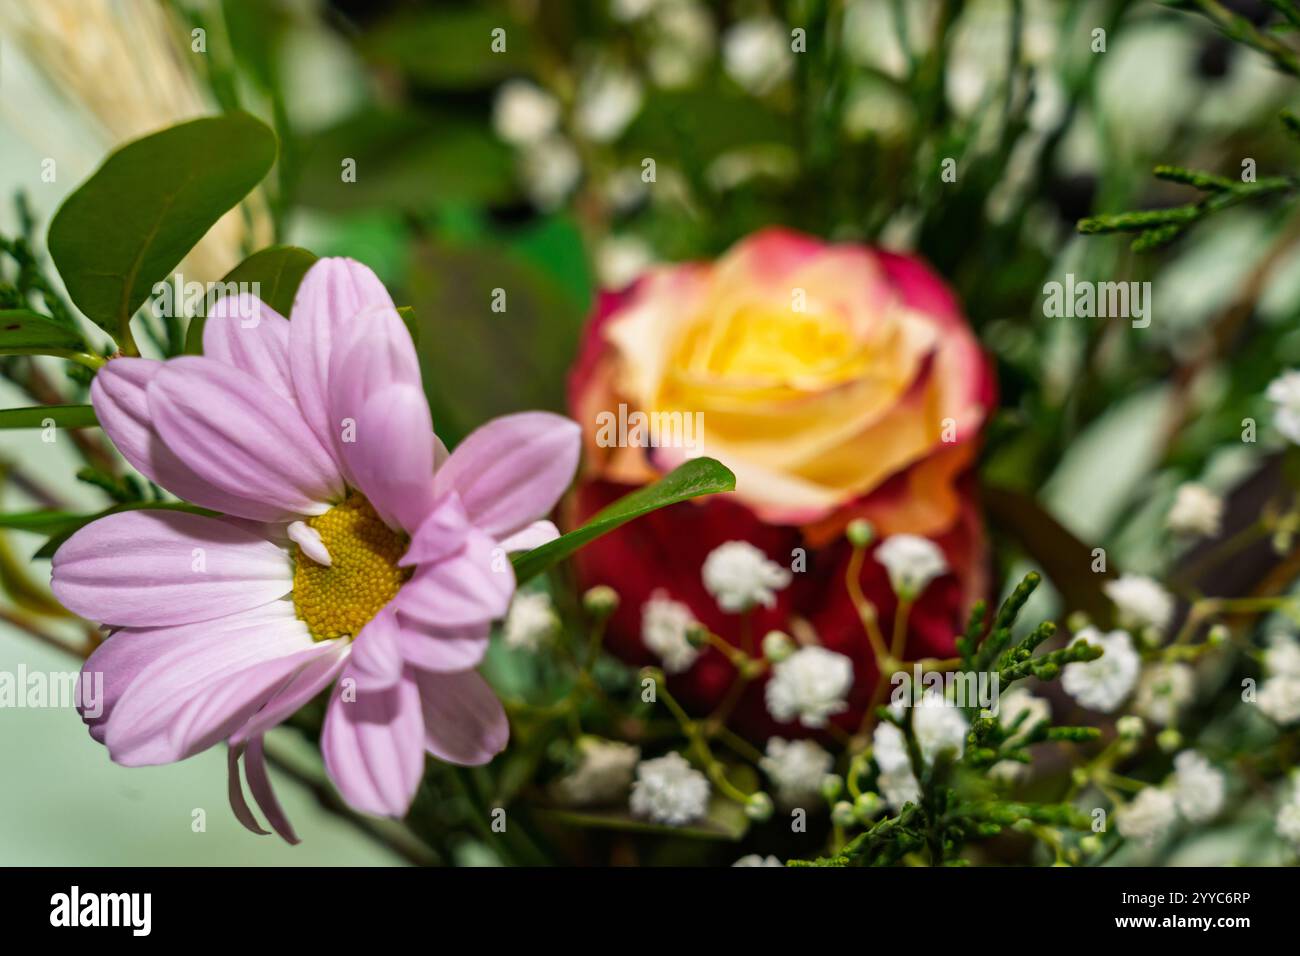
[352,549]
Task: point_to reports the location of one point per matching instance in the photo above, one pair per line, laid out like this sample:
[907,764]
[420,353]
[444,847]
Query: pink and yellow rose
[836,381]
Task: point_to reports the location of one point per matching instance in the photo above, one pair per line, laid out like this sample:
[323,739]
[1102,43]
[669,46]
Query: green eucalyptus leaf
[63,416]
[129,225]
[699,476]
[24,332]
[277,271]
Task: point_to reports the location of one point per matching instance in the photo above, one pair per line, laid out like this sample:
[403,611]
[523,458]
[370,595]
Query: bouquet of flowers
[777,433]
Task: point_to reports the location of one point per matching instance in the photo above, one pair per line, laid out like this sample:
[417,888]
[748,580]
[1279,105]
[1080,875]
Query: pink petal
[372,745]
[377,653]
[118,394]
[140,730]
[443,650]
[442,533]
[151,568]
[331,295]
[243,331]
[513,470]
[114,665]
[235,793]
[468,588]
[464,722]
[317,674]
[391,460]
[219,709]
[260,784]
[534,536]
[240,436]
[372,352]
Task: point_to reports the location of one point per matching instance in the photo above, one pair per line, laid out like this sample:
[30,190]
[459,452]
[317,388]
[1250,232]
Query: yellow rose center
[773,346]
[363,576]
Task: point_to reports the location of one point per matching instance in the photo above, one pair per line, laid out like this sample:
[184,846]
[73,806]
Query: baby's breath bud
[1077,621]
[1217,636]
[1090,844]
[1169,740]
[758,807]
[868,806]
[777,646]
[1131,727]
[697,635]
[842,814]
[860,532]
[600,601]
[832,784]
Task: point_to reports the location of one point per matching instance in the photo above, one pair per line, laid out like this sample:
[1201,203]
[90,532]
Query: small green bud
[1169,740]
[1131,727]
[868,806]
[759,807]
[697,635]
[600,601]
[832,785]
[860,533]
[1079,776]
[842,814]
[777,646]
[1077,621]
[1091,844]
[1218,635]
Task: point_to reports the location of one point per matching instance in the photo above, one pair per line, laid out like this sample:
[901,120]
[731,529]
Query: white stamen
[308,538]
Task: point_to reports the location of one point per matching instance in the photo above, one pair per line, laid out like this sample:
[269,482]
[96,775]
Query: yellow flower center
[363,576]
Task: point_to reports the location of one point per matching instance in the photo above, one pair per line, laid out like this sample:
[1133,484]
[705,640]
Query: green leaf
[449,48]
[277,271]
[24,332]
[46,521]
[524,351]
[130,224]
[64,416]
[699,476]
[404,161]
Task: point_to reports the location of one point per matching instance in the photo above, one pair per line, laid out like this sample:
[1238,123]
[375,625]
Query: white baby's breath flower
[531,620]
[669,790]
[912,562]
[551,168]
[1283,655]
[809,686]
[889,748]
[608,99]
[1279,699]
[738,575]
[625,11]
[899,788]
[1198,787]
[664,625]
[1284,393]
[753,859]
[1196,511]
[683,42]
[620,259]
[796,768]
[756,54]
[1141,601]
[524,113]
[603,774]
[1104,683]
[1017,701]
[1288,814]
[939,726]
[1148,816]
[1163,690]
